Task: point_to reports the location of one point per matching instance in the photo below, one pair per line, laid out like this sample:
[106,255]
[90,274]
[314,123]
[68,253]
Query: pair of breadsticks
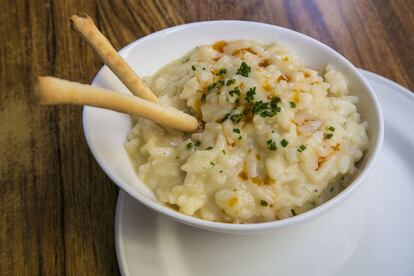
[50,90]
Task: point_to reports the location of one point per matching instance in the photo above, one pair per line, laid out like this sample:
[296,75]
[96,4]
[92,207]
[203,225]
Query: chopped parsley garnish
[223,151]
[203,98]
[209,148]
[284,143]
[327,136]
[260,107]
[244,69]
[204,68]
[236,117]
[222,71]
[211,86]
[235,91]
[293,212]
[212,163]
[250,95]
[230,82]
[236,130]
[274,101]
[301,148]
[186,60]
[292,104]
[189,146]
[263,203]
[197,143]
[193,67]
[271,145]
[221,82]
[240,137]
[266,109]
[226,116]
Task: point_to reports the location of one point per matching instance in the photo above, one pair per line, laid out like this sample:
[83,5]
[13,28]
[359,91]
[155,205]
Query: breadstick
[86,28]
[50,90]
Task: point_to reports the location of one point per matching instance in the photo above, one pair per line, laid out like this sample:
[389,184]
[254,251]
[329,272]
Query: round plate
[369,234]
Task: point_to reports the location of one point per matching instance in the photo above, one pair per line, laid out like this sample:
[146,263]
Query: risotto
[279,138]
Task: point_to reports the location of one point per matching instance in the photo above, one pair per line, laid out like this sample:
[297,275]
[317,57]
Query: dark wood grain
[56,206]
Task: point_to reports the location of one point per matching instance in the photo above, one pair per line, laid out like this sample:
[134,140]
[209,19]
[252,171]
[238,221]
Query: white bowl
[106,131]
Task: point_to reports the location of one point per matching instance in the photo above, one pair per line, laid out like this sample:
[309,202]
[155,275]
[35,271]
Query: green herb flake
[332,189]
[223,151]
[209,148]
[236,130]
[230,82]
[193,67]
[226,116]
[211,86]
[197,143]
[221,82]
[301,148]
[263,203]
[259,107]
[235,91]
[284,142]
[244,69]
[189,146]
[222,72]
[266,109]
[292,104]
[240,137]
[273,104]
[212,163]
[250,95]
[186,60]
[331,128]
[327,136]
[271,145]
[293,212]
[236,116]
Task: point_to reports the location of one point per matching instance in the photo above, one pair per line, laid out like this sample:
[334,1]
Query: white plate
[372,234]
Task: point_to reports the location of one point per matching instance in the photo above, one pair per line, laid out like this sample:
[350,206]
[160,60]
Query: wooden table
[57,207]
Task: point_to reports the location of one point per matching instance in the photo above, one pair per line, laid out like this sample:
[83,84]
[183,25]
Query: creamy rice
[279,138]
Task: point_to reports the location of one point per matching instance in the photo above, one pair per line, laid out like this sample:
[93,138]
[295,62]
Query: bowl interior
[106,131]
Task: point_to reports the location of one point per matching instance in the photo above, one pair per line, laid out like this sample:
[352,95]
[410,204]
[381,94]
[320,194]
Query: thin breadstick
[50,90]
[86,28]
